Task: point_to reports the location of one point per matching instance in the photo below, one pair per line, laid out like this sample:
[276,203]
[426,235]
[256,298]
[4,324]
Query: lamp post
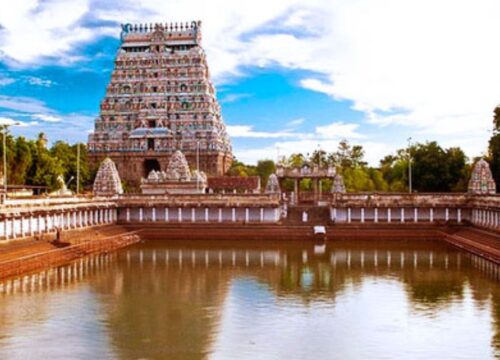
[77,168]
[409,167]
[198,166]
[319,169]
[5,129]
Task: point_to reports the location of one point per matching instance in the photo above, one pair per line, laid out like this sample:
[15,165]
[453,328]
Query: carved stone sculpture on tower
[481,181]
[107,181]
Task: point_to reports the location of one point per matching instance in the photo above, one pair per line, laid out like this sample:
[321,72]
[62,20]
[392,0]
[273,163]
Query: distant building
[160,100]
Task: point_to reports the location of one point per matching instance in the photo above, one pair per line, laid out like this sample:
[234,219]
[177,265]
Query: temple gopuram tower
[160,99]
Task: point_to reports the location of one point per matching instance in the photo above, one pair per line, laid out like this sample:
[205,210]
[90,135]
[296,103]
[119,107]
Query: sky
[291,75]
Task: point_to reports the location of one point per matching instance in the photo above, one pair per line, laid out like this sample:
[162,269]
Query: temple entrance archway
[149,165]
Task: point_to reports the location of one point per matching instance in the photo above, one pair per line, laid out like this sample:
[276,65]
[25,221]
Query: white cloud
[34,30]
[335,130]
[33,80]
[23,104]
[230,98]
[373,150]
[246,131]
[12,122]
[325,137]
[295,123]
[4,80]
[339,129]
[430,67]
[46,117]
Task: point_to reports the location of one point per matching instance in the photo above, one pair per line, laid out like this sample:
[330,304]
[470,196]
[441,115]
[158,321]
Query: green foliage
[240,169]
[434,169]
[496,119]
[264,169]
[494,157]
[30,162]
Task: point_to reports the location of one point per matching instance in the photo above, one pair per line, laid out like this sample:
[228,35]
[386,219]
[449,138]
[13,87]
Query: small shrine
[177,179]
[107,181]
[481,181]
[273,185]
[338,185]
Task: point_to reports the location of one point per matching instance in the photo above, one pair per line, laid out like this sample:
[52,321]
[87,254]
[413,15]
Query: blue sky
[295,77]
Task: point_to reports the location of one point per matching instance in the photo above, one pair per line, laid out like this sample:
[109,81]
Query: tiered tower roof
[160,98]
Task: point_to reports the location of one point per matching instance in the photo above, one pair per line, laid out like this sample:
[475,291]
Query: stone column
[362,215]
[459,215]
[296,189]
[193,215]
[140,214]
[127,215]
[39,223]
[415,215]
[261,214]
[315,190]
[153,213]
[14,233]
[47,223]
[247,215]
[431,215]
[166,214]
[402,215]
[446,214]
[32,232]
[206,214]
[375,215]
[349,215]
[21,221]
[220,215]
[334,214]
[179,214]
[5,228]
[389,215]
[233,214]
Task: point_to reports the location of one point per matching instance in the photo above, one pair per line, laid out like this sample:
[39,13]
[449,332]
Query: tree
[295,160]
[435,169]
[348,156]
[240,169]
[494,148]
[494,158]
[264,169]
[22,160]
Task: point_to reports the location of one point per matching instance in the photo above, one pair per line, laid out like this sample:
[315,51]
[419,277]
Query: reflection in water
[266,300]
